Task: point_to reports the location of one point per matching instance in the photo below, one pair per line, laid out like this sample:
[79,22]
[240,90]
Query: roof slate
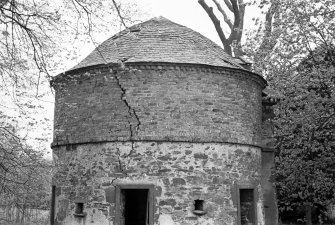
[159,40]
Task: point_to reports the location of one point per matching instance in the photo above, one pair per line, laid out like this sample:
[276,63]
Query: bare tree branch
[268,40]
[268,26]
[216,22]
[235,30]
[119,13]
[225,17]
[229,5]
[233,42]
[242,12]
[3,3]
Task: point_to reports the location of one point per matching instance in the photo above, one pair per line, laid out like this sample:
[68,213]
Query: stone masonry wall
[180,172]
[158,102]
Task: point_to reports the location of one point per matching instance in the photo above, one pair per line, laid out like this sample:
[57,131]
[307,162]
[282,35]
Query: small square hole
[79,210]
[199,207]
[199,204]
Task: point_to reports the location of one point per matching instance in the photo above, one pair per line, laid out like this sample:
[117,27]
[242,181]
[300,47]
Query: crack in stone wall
[132,113]
[121,166]
[185,117]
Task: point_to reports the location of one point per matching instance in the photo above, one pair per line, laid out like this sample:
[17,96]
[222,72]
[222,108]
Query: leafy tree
[24,174]
[231,13]
[305,128]
[36,34]
[293,47]
[40,39]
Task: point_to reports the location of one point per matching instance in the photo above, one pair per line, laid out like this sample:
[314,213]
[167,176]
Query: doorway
[134,205]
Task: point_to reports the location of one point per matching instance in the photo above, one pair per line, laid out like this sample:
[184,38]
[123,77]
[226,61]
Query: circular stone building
[158,125]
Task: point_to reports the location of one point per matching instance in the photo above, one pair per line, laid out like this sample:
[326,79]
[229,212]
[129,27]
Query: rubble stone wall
[181,172]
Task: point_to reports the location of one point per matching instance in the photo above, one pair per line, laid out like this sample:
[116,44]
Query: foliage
[293,47]
[24,174]
[36,34]
[297,27]
[298,60]
[40,39]
[305,130]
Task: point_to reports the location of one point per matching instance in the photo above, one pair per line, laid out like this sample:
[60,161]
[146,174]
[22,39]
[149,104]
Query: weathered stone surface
[175,190]
[178,181]
[184,125]
[110,194]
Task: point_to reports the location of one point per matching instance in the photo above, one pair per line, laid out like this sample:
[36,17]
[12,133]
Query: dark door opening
[53,205]
[247,207]
[135,206]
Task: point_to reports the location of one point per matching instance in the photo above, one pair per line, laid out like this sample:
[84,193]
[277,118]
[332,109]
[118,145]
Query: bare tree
[32,36]
[20,169]
[32,32]
[232,43]
[232,15]
[293,47]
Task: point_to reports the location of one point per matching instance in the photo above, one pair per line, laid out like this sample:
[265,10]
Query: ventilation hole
[199,205]
[79,210]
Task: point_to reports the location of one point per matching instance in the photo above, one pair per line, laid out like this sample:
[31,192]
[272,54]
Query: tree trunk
[238,51]
[309,214]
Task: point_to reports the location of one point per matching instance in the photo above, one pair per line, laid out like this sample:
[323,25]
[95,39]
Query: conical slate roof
[159,40]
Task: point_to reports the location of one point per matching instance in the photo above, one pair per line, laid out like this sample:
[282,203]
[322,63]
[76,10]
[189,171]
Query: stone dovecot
[158,125]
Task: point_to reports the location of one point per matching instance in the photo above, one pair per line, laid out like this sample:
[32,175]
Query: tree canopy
[292,46]
[305,131]
[40,39]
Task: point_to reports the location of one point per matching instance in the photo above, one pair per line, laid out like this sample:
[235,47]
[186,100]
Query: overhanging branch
[235,30]
[119,14]
[216,22]
[229,5]
[242,12]
[224,14]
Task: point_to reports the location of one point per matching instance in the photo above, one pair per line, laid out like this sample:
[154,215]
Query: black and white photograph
[167,112]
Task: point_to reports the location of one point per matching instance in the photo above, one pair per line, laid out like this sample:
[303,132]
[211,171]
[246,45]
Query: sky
[185,12]
[189,13]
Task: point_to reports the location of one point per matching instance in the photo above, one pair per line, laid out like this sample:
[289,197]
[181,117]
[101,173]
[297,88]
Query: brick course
[158,102]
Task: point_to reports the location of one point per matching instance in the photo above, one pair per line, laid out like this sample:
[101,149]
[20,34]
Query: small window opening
[199,205]
[247,207]
[134,203]
[79,210]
